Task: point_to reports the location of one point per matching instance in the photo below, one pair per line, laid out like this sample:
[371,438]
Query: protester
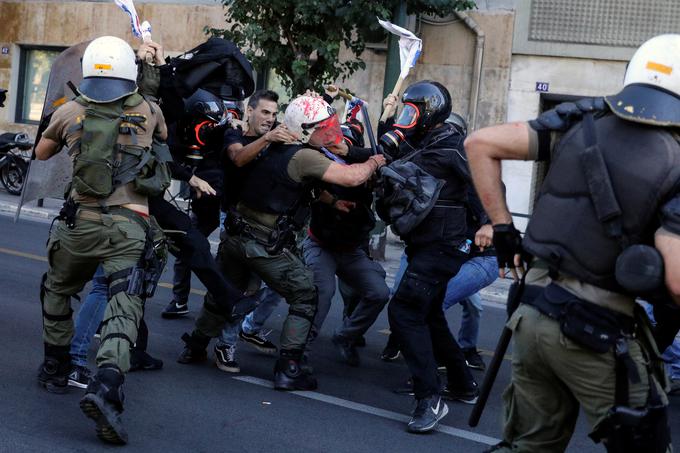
[580,340]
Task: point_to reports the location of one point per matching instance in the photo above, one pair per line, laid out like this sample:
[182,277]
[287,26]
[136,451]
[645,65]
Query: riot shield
[49,178]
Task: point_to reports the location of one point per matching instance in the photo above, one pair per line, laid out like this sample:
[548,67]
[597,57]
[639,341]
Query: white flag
[129,7]
[409,46]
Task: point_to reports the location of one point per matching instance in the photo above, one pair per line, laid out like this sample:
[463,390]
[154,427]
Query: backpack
[407,194]
[101,164]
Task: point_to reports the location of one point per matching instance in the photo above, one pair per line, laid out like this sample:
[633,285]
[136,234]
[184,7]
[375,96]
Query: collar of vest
[129,101]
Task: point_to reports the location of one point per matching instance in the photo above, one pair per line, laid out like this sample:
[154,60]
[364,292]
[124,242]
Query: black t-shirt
[233,175]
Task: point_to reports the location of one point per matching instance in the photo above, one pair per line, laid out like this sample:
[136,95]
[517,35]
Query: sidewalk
[495,293]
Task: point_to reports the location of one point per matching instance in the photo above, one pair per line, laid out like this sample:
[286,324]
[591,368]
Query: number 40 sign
[543,87]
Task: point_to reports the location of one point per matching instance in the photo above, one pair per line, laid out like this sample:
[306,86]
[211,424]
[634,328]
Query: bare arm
[668,244]
[46,148]
[485,150]
[352,175]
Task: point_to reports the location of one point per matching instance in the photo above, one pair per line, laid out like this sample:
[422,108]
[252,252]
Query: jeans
[89,317]
[477,273]
[255,320]
[417,319]
[672,353]
[359,272]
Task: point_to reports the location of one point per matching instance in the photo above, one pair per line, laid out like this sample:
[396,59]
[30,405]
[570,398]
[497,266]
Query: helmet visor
[326,132]
[408,117]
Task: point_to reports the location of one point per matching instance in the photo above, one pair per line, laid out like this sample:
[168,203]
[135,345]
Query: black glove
[508,243]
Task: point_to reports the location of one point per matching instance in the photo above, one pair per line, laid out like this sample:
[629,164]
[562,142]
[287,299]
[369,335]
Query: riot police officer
[434,228]
[261,232]
[612,194]
[114,139]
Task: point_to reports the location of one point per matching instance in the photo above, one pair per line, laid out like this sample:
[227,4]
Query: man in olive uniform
[612,194]
[109,130]
[261,231]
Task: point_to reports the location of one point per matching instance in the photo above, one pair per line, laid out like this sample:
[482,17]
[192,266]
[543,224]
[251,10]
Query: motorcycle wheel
[13,175]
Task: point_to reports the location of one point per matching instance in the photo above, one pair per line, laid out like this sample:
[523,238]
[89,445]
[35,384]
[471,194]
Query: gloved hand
[508,244]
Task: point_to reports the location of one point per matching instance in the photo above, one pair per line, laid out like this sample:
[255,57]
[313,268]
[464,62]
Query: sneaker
[390,353]
[175,310]
[79,377]
[141,361]
[473,359]
[347,349]
[259,341]
[427,414]
[225,358]
[468,396]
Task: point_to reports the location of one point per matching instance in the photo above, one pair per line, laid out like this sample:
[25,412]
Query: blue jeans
[672,353]
[477,273]
[252,323]
[89,317]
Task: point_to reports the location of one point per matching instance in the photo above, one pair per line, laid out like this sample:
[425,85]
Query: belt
[97,216]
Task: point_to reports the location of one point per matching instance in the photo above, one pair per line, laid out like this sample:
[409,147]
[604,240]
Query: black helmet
[458,122]
[234,108]
[426,104]
[203,105]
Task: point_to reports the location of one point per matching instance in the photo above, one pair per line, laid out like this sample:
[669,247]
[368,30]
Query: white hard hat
[109,70]
[651,92]
[304,114]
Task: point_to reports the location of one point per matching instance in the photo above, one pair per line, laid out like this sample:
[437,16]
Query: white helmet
[651,92]
[313,121]
[109,70]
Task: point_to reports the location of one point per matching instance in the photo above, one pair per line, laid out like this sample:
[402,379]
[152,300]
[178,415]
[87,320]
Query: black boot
[103,403]
[195,349]
[289,374]
[142,361]
[54,371]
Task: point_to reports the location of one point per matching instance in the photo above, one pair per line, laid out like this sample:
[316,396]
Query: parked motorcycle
[15,156]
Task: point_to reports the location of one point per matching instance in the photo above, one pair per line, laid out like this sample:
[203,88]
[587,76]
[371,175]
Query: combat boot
[195,349]
[54,371]
[289,373]
[103,403]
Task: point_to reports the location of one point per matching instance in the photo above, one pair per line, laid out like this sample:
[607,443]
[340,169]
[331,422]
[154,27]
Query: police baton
[514,296]
[367,121]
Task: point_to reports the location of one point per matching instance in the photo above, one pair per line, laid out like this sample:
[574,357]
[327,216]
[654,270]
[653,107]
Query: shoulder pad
[565,115]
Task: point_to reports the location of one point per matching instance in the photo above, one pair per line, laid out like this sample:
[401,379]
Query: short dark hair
[267,95]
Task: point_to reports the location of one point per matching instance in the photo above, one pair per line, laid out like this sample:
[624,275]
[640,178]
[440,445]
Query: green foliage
[301,40]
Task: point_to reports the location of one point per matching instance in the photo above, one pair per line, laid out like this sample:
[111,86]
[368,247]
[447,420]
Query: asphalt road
[201,409]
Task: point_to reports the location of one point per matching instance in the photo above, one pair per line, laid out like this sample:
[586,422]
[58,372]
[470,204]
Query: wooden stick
[395,92]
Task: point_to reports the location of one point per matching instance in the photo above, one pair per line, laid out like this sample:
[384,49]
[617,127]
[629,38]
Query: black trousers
[417,319]
[194,248]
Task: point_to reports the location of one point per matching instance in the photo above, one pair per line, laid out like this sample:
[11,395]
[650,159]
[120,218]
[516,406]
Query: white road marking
[468,435]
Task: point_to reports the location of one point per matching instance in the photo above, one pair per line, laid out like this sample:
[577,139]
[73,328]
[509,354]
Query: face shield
[324,133]
[408,117]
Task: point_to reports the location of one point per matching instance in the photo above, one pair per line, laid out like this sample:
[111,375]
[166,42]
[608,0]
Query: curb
[41,213]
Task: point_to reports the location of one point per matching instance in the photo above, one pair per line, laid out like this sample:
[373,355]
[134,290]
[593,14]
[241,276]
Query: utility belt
[273,240]
[625,429]
[142,279]
[451,204]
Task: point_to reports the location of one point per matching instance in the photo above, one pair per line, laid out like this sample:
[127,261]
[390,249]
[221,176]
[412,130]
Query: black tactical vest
[268,188]
[644,167]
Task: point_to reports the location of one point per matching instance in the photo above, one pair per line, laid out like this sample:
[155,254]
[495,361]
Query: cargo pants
[552,376]
[116,240]
[245,262]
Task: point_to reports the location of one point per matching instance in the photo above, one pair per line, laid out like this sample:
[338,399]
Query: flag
[129,7]
[409,46]
[353,110]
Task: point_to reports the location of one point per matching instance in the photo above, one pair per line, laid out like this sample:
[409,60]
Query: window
[34,72]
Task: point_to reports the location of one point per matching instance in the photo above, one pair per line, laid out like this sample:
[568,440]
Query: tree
[301,40]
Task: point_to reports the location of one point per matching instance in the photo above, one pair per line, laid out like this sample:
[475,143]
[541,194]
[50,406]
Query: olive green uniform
[115,240]
[245,261]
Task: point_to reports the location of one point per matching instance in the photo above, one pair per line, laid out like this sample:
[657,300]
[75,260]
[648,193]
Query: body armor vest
[268,188]
[643,163]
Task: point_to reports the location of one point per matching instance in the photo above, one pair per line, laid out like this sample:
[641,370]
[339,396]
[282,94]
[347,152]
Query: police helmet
[425,104]
[458,122]
[353,133]
[203,105]
[651,87]
[109,70]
